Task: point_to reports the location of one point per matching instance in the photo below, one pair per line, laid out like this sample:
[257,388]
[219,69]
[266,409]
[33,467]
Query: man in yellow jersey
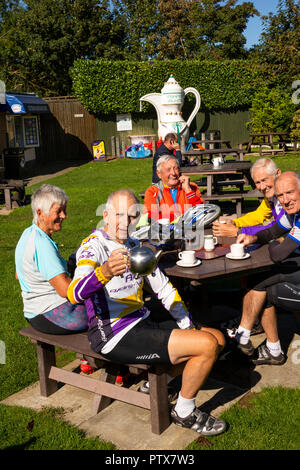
[263,172]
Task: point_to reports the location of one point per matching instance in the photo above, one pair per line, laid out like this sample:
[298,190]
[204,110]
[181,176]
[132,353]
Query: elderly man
[170,146]
[282,289]
[173,194]
[263,172]
[119,324]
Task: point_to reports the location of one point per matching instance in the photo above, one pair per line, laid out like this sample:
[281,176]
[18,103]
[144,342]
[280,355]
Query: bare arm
[61,283]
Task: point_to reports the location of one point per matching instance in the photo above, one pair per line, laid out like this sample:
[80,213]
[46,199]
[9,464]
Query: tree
[193,29]
[140,21]
[280,42]
[45,37]
[174,29]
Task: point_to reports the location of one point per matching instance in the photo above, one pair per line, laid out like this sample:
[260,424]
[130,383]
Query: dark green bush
[105,87]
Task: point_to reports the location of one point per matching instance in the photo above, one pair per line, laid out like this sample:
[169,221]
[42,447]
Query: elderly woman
[41,270]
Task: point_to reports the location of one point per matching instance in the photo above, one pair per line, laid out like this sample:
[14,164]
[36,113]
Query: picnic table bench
[8,187]
[210,142]
[104,388]
[208,154]
[266,139]
[230,173]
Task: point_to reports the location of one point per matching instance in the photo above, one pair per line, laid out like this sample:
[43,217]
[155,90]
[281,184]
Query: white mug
[216,162]
[237,250]
[187,257]
[209,242]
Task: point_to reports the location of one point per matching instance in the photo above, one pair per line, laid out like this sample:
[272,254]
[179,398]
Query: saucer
[230,256]
[184,265]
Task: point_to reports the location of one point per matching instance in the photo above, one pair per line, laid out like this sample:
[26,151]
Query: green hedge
[105,87]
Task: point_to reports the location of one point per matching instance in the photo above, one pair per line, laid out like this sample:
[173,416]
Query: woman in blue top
[41,270]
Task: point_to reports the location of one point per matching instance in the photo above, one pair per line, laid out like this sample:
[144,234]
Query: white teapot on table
[168,106]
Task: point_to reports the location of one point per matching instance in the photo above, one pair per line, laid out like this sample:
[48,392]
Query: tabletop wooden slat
[222,266]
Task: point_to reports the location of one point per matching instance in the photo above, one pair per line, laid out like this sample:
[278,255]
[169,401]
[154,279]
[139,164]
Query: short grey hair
[270,165]
[120,192]
[163,159]
[45,197]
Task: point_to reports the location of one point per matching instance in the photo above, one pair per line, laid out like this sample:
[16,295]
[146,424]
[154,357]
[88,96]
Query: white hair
[163,159]
[120,192]
[270,165]
[45,197]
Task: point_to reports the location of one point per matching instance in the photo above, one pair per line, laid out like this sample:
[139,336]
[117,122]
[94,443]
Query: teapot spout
[155,100]
[158,255]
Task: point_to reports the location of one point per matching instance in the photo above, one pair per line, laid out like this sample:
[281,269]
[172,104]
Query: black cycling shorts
[146,343]
[283,287]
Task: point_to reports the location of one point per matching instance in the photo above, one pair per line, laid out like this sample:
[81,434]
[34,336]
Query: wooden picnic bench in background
[232,174]
[9,186]
[104,388]
[270,139]
[207,154]
[211,143]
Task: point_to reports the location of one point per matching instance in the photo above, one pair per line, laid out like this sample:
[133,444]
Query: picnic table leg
[160,418]
[209,185]
[7,197]
[108,374]
[239,208]
[46,359]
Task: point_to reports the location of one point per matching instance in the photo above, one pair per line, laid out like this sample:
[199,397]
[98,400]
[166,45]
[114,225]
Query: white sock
[184,406]
[274,348]
[242,335]
[169,378]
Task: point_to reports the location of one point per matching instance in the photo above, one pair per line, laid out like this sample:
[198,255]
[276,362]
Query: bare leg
[252,306]
[176,370]
[198,349]
[269,323]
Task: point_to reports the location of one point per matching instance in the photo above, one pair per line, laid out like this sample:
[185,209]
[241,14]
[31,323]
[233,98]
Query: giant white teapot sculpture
[168,106]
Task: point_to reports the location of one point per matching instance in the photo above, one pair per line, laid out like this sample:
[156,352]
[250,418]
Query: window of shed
[23,131]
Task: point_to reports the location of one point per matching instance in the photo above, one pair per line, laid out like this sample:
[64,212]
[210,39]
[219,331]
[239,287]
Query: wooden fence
[68,132]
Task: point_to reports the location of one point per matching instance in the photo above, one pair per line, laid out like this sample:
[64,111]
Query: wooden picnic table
[211,142]
[8,187]
[238,153]
[217,268]
[270,139]
[215,185]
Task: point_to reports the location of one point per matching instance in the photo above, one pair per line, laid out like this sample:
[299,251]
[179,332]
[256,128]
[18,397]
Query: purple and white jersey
[291,223]
[115,306]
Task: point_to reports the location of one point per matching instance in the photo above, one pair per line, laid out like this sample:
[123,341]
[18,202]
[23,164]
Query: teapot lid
[171,86]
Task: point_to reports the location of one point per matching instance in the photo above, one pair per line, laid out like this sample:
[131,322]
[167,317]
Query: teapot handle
[197,106]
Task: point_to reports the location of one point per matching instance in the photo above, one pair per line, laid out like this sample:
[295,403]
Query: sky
[254,27]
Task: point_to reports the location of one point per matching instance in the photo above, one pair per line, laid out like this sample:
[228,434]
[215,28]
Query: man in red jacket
[173,194]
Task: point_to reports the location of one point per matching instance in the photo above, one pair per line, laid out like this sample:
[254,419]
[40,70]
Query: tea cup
[187,257]
[237,250]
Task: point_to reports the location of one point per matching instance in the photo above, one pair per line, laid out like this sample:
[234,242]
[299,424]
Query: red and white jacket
[159,203]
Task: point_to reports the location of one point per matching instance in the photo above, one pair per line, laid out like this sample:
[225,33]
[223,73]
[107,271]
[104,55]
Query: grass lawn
[25,429]
[87,187]
[269,420]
